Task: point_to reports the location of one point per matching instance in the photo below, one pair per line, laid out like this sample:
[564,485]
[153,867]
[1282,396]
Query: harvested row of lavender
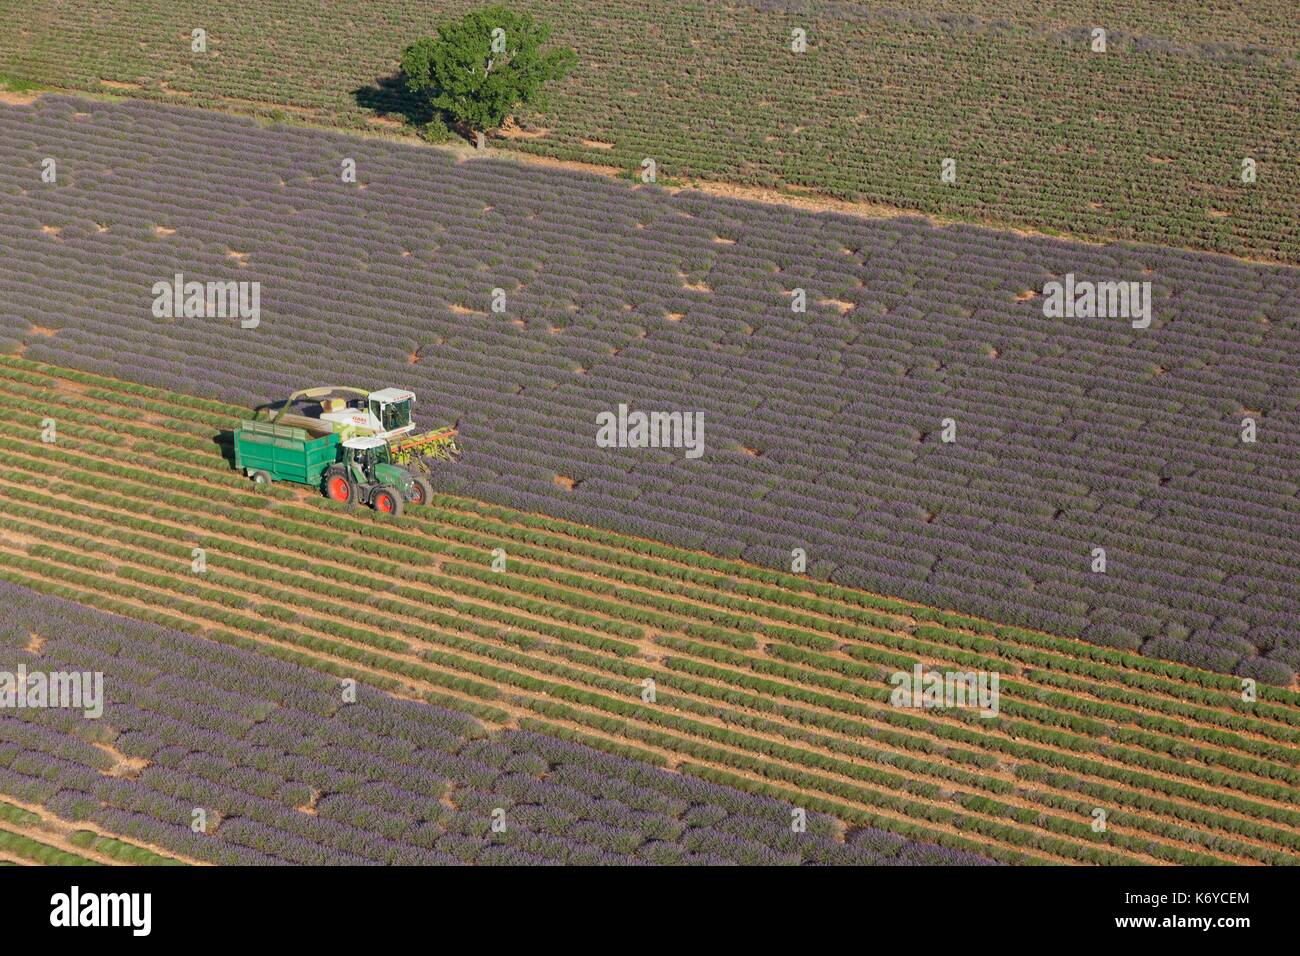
[224,755]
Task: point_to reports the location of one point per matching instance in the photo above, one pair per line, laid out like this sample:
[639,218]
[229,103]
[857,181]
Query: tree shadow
[389,97]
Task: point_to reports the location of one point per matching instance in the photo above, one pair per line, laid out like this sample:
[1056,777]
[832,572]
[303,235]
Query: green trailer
[267,452]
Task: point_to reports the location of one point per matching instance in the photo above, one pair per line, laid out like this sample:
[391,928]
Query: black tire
[421,491]
[387,500]
[262,478]
[339,486]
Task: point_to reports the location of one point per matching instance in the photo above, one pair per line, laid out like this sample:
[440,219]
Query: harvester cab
[390,409]
[385,413]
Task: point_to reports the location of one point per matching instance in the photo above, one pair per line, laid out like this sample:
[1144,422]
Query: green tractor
[366,474]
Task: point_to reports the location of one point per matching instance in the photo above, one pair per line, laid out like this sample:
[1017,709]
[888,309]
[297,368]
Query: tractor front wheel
[387,501]
[339,487]
[421,491]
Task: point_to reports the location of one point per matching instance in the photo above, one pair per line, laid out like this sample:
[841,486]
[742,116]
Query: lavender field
[288,773]
[823,428]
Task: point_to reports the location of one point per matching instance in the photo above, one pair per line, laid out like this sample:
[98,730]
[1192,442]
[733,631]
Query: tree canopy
[484,65]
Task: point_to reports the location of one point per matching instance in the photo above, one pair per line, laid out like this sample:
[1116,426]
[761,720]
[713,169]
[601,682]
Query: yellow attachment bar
[439,443]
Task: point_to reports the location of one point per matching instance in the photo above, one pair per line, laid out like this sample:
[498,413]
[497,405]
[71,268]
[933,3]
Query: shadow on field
[225,441]
[389,97]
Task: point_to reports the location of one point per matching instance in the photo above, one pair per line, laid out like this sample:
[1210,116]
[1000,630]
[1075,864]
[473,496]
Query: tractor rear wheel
[421,491]
[339,487]
[387,501]
[261,478]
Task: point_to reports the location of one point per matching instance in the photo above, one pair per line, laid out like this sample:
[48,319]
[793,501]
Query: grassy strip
[42,853]
[120,850]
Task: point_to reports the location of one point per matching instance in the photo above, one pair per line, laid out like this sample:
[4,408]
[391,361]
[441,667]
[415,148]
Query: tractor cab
[368,462]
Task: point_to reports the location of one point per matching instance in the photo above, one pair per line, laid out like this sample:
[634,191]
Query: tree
[482,67]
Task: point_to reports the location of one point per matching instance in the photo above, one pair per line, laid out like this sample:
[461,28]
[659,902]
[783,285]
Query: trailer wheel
[339,487]
[421,491]
[261,478]
[387,501]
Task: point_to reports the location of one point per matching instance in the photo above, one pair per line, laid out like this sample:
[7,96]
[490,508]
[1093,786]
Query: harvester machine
[356,446]
[356,413]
